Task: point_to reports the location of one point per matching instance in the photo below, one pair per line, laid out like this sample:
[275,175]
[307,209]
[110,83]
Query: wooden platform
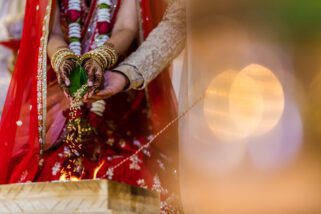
[87,196]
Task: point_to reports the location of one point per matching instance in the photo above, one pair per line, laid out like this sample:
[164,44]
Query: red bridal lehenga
[34,122]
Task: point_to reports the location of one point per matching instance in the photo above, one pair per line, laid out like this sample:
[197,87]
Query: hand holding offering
[73,72]
[64,62]
[96,62]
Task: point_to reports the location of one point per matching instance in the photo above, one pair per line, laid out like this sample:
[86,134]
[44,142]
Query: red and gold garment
[33,125]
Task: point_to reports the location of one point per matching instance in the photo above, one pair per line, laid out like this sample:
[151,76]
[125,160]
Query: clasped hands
[101,84]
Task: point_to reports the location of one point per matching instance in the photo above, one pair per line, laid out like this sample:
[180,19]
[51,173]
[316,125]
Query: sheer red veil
[22,127]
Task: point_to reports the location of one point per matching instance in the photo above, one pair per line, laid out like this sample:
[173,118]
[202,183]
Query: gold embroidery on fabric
[42,80]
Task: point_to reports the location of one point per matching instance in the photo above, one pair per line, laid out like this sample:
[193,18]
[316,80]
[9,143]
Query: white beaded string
[75,28]
[74,31]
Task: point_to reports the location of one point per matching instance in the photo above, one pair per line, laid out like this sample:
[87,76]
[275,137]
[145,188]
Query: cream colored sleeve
[162,45]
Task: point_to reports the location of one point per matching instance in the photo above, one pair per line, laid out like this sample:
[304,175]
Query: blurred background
[11,21]
[252,144]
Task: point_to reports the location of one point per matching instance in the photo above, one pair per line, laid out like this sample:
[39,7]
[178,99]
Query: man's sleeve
[163,44]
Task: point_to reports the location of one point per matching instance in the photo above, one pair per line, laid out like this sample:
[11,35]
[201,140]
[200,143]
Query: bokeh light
[272,94]
[280,146]
[243,104]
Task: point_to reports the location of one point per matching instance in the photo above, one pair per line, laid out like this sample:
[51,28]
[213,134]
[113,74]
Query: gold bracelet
[56,56]
[91,55]
[61,55]
[105,56]
[111,53]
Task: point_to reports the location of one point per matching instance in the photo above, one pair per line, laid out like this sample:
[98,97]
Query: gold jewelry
[92,55]
[105,56]
[113,55]
[61,55]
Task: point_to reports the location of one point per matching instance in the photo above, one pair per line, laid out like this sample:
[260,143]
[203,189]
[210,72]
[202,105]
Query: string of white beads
[98,107]
[75,28]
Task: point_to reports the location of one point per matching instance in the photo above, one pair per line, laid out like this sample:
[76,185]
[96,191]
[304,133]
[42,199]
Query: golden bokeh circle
[240,104]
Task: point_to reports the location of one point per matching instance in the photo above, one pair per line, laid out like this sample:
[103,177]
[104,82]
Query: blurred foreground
[253,144]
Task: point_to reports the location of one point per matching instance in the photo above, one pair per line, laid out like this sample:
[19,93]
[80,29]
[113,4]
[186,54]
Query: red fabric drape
[19,140]
[12,44]
[19,147]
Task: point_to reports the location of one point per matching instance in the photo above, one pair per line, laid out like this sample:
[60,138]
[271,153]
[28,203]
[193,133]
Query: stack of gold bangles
[106,56]
[61,55]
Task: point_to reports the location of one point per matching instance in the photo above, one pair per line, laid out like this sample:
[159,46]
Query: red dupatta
[22,127]
[23,110]
[12,44]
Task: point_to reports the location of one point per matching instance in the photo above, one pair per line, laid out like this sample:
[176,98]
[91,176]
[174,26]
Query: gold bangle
[56,56]
[105,56]
[112,55]
[61,55]
[91,55]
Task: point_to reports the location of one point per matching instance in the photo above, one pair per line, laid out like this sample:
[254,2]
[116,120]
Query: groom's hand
[114,83]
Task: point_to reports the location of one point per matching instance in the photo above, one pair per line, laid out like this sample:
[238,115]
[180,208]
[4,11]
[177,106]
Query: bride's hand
[114,83]
[63,73]
[95,77]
